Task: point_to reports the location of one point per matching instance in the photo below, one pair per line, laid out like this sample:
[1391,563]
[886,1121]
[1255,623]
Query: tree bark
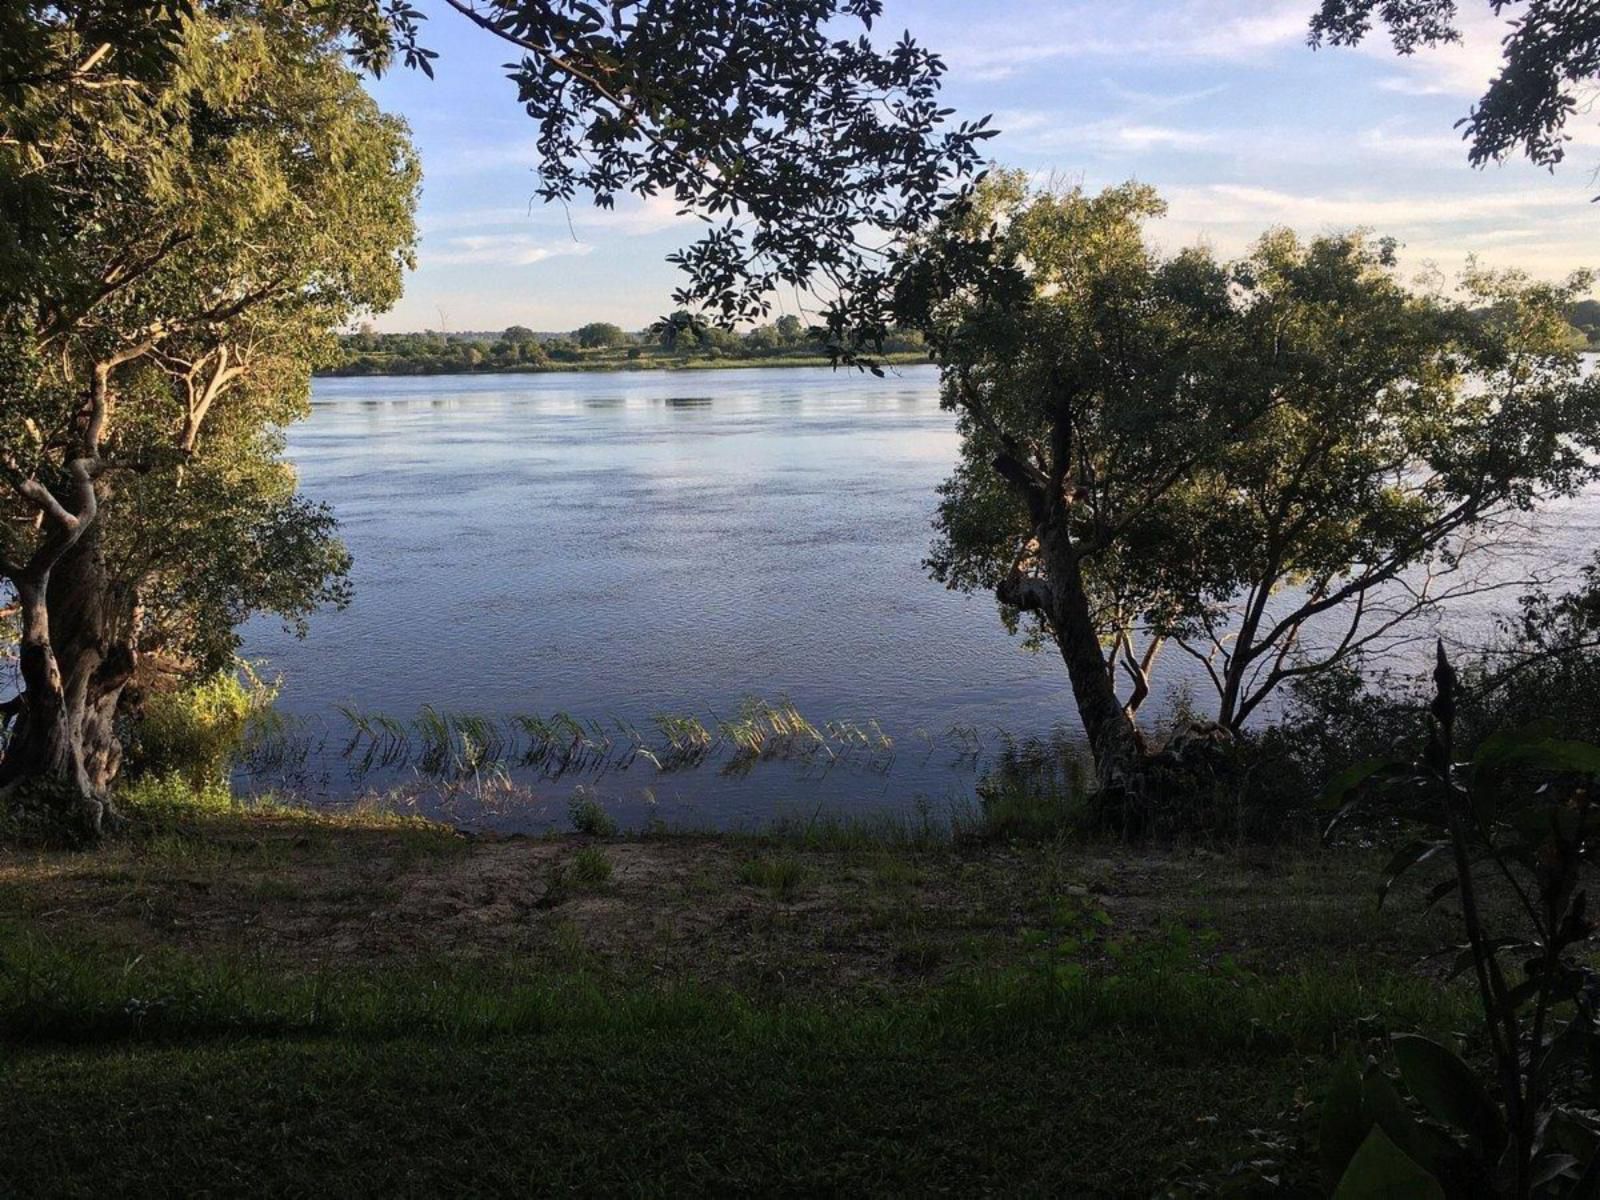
[1113,736]
[75,658]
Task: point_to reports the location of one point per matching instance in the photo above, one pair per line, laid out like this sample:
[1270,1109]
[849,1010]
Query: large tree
[180,243]
[1226,456]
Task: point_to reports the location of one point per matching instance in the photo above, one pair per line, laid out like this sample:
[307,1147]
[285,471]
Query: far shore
[901,359]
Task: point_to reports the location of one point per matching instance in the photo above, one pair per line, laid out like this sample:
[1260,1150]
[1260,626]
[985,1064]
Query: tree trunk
[1113,737]
[75,659]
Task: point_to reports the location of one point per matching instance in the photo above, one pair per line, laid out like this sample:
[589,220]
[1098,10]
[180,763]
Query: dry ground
[751,914]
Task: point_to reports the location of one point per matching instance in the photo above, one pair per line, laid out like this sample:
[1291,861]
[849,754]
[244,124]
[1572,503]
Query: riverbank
[371,1003]
[604,363]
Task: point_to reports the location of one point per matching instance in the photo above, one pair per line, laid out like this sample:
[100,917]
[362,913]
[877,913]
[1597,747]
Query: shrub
[197,731]
[1033,792]
[591,866]
[1515,812]
[588,817]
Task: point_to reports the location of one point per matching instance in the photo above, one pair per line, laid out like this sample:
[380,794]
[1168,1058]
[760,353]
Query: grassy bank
[271,1003]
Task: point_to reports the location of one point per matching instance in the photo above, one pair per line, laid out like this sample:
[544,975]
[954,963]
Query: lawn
[275,1004]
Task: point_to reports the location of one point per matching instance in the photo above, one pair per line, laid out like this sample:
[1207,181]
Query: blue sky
[1219,104]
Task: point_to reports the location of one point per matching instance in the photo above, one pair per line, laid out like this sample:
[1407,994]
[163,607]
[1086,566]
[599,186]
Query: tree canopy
[179,251]
[809,149]
[1221,456]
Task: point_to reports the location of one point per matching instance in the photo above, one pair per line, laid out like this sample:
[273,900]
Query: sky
[1219,104]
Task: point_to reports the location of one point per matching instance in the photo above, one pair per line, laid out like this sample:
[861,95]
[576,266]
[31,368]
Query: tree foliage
[599,335]
[1227,457]
[1551,55]
[180,245]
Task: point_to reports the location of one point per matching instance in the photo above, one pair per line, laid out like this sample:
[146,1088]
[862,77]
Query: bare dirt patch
[755,916]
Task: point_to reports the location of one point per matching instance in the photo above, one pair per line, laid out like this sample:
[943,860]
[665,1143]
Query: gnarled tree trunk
[75,658]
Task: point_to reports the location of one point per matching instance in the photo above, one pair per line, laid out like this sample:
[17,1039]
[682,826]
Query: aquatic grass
[442,745]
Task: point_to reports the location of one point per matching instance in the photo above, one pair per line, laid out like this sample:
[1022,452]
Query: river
[618,546]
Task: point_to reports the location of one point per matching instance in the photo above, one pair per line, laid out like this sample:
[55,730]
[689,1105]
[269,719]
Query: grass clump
[782,875]
[591,867]
[160,800]
[588,817]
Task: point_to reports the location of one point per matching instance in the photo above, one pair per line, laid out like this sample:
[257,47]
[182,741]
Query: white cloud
[1193,29]
[1462,69]
[1226,203]
[1143,137]
[505,250]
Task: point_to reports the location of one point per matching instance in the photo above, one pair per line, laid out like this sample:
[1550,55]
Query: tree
[1550,56]
[1223,456]
[811,153]
[803,146]
[600,335]
[679,331]
[180,248]
[1409,445]
[519,335]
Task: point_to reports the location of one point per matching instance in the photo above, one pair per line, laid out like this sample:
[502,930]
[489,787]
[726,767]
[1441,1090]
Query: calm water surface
[621,545]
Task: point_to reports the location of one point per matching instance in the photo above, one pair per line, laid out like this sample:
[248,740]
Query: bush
[162,798]
[1034,792]
[588,817]
[590,866]
[198,730]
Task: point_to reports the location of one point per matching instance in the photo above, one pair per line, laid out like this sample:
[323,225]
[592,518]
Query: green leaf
[1343,1124]
[1383,1107]
[1348,781]
[1443,889]
[1381,1170]
[1528,748]
[1449,1089]
[1405,858]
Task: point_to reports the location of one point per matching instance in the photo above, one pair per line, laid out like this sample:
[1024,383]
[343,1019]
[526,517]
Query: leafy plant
[1519,812]
[588,817]
[199,730]
[591,866]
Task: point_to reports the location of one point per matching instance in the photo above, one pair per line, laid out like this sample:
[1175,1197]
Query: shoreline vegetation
[596,347]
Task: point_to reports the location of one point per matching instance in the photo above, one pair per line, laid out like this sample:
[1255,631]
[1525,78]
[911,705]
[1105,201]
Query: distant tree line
[677,339]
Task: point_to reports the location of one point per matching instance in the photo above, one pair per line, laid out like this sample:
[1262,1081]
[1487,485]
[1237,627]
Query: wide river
[618,546]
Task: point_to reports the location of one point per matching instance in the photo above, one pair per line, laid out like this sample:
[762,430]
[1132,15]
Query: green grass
[782,875]
[591,867]
[218,999]
[216,1073]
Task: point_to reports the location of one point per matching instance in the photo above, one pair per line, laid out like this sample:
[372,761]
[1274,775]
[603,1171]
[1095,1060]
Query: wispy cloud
[1197,29]
[505,250]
